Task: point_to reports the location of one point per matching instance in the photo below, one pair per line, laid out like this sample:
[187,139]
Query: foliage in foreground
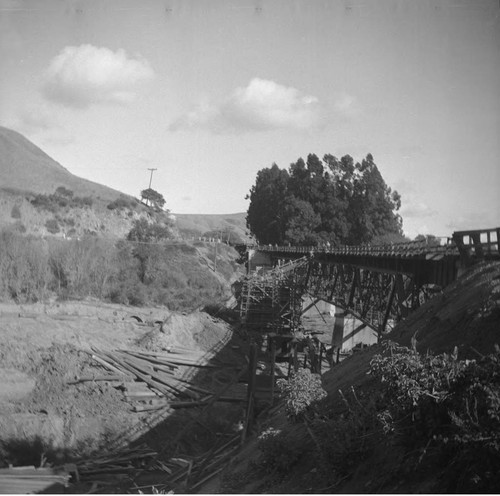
[435,414]
[448,407]
[300,391]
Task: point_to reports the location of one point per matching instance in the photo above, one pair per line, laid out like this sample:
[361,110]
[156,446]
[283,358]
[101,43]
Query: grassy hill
[24,167]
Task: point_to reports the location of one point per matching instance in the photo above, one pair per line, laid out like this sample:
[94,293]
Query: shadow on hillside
[189,436]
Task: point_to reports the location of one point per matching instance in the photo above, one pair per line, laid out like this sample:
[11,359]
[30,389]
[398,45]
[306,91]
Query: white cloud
[259,106]
[81,76]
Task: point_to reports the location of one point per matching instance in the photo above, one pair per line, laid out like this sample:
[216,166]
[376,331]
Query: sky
[208,92]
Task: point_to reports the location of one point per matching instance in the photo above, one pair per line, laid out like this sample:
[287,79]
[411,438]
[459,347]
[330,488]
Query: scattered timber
[23,480]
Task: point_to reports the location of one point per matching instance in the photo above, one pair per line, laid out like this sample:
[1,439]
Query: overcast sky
[208,92]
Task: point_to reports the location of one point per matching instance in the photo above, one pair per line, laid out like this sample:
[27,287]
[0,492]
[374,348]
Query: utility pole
[215,250]
[151,177]
[150,181]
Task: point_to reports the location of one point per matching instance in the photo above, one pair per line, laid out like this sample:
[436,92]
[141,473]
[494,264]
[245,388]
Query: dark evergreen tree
[315,202]
[267,215]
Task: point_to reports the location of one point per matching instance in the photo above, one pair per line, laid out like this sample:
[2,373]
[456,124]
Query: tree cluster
[323,201]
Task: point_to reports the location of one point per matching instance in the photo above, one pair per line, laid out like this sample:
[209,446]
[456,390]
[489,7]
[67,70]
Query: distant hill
[220,225]
[26,168]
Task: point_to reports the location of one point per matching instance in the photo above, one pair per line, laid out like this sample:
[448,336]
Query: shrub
[121,203]
[300,391]
[15,213]
[52,226]
[62,191]
[24,268]
[453,404]
[281,450]
[60,199]
[347,437]
[146,232]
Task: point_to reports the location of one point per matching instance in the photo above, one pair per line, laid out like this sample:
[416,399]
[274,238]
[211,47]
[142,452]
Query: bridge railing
[477,244]
[407,249]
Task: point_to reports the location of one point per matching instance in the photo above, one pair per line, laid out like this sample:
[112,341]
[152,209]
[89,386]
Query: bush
[24,267]
[347,437]
[455,404]
[146,232]
[121,203]
[281,450]
[52,226]
[15,213]
[62,191]
[60,199]
[300,391]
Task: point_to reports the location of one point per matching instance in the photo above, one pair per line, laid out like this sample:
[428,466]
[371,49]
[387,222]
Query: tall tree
[267,215]
[373,206]
[314,202]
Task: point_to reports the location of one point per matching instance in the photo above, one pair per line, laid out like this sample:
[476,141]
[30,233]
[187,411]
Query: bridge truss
[379,285]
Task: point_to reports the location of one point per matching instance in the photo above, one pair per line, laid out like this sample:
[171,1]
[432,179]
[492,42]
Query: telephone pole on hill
[151,177]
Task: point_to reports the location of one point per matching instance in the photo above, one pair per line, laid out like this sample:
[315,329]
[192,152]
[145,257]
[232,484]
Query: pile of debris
[23,480]
[152,381]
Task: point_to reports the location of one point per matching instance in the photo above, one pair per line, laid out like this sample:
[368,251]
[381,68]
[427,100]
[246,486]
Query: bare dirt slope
[45,347]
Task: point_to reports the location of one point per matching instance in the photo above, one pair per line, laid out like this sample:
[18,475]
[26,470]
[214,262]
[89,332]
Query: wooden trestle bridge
[379,285]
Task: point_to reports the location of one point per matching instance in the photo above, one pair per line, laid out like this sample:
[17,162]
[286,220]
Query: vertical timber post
[338,330]
[295,357]
[320,357]
[252,368]
[273,364]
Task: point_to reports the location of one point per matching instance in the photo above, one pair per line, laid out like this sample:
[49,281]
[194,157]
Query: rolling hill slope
[25,167]
[26,170]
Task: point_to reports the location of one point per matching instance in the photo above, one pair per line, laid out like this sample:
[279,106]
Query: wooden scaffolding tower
[272,301]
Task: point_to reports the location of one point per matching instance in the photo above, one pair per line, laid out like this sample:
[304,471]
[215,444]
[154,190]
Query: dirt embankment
[45,348]
[465,315]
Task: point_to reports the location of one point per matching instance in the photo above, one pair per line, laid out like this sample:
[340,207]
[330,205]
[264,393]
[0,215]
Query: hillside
[26,170]
[25,167]
[213,225]
[357,441]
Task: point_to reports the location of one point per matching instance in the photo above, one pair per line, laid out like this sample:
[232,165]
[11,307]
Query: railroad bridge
[378,285]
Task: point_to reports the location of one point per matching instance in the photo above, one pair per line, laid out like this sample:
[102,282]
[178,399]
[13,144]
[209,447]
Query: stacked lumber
[23,480]
[154,381]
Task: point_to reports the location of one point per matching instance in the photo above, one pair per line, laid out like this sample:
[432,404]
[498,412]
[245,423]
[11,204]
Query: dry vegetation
[178,275]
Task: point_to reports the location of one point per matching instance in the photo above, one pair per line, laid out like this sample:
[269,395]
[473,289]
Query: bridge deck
[379,284]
